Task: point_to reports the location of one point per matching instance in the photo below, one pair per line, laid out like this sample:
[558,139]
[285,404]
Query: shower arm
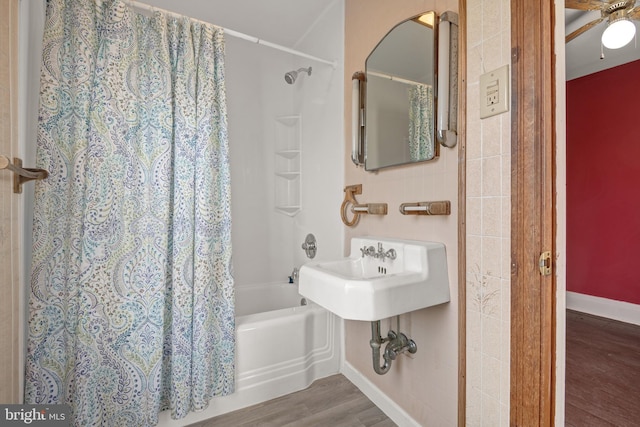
[291,76]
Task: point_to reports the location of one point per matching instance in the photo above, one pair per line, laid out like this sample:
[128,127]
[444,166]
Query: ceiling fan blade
[585,4]
[634,13]
[583,29]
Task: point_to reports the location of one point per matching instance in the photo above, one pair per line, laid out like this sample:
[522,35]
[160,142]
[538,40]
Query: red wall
[603,184]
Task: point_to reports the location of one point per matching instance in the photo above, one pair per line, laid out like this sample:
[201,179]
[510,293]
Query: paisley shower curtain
[421,134]
[131,300]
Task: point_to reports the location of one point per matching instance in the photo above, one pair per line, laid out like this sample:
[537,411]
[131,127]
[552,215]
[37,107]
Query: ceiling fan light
[618,33]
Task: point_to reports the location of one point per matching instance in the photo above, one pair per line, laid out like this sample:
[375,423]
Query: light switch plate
[494,92]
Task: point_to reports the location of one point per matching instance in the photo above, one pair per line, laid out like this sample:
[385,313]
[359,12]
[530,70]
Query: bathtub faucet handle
[310,246]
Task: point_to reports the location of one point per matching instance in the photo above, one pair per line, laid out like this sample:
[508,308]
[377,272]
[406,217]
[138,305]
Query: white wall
[256,94]
[267,243]
[423,388]
[319,100]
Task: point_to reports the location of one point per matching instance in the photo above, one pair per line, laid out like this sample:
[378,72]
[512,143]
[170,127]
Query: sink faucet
[391,253]
[381,254]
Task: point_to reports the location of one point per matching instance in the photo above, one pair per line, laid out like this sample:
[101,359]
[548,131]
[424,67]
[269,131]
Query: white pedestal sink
[368,286]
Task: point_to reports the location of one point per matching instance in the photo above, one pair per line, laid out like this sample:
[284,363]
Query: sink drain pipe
[375,343]
[397,343]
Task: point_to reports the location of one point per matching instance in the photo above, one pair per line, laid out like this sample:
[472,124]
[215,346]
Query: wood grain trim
[462,213]
[532,224]
[10,363]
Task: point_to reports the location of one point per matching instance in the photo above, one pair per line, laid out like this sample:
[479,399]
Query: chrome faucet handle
[391,254]
[310,246]
[371,251]
[368,251]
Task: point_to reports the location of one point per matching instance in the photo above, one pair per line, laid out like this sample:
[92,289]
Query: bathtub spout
[375,343]
[294,276]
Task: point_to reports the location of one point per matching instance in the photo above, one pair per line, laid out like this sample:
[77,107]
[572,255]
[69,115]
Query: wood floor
[331,401]
[602,387]
[603,372]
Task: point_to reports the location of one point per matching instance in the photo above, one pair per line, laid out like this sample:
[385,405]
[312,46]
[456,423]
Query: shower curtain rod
[395,78]
[237,34]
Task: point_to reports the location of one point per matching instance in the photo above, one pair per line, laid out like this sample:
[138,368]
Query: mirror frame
[365,92]
[445,92]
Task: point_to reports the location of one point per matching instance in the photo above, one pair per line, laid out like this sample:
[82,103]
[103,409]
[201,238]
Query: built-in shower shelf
[288,154]
[288,210]
[288,175]
[288,161]
[291,121]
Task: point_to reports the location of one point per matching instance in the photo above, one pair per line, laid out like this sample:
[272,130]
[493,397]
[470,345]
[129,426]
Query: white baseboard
[603,307]
[381,400]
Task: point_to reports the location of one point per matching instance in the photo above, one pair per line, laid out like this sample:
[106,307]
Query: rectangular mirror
[399,100]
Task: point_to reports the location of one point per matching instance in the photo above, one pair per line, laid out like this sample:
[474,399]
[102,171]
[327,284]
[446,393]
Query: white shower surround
[266,242]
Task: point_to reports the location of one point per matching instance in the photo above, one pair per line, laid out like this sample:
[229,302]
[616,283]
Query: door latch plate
[545,263]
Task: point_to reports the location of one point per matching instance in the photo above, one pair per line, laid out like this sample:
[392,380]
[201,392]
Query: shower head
[291,76]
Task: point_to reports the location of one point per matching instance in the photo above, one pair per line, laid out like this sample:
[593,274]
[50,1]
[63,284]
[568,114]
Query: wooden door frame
[532,401]
[462,214]
[10,313]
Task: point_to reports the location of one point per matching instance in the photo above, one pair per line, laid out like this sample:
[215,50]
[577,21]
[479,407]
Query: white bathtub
[255,299]
[278,339]
[281,347]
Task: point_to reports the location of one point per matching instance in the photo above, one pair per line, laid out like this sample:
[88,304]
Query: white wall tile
[488,179]
[492,216]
